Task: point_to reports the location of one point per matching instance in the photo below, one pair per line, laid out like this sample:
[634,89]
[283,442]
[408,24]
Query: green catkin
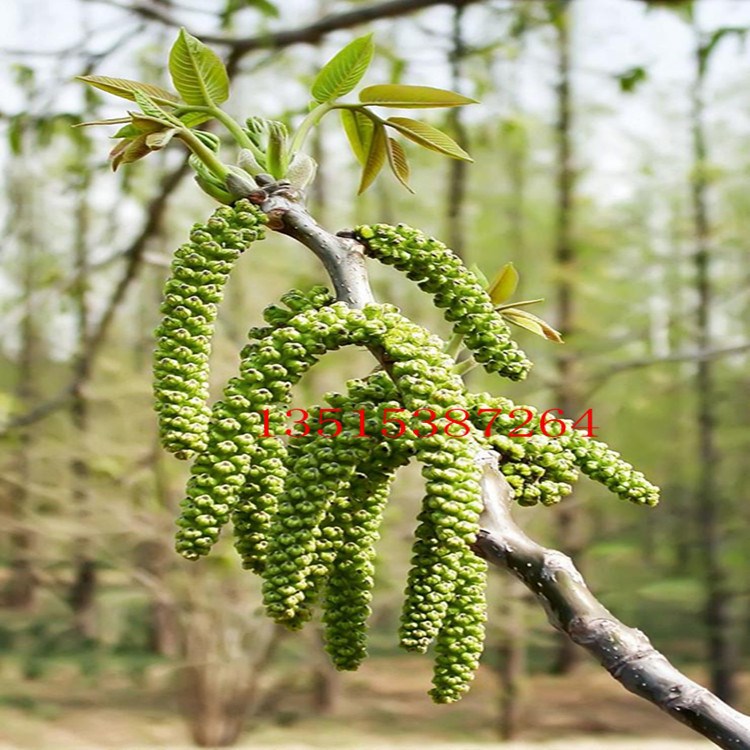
[315,509]
[449,520]
[301,547]
[183,339]
[457,290]
[252,514]
[348,590]
[542,468]
[460,642]
[238,462]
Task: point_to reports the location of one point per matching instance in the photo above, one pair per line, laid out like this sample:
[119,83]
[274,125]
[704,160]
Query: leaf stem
[312,119]
[204,153]
[466,366]
[453,347]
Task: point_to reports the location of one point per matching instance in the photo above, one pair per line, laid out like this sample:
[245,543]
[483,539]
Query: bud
[302,171]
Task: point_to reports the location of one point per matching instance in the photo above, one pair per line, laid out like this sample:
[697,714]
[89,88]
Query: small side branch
[626,653]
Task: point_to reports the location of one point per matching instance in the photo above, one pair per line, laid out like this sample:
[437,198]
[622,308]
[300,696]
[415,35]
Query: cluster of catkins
[306,511]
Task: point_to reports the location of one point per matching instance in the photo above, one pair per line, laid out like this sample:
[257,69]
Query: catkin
[183,339]
[238,462]
[460,642]
[542,468]
[455,289]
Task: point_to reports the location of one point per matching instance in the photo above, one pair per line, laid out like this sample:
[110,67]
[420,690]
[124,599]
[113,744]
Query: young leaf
[152,113]
[344,70]
[375,158]
[111,121]
[197,72]
[532,323]
[403,96]
[157,141]
[428,137]
[504,284]
[193,119]
[358,129]
[277,157]
[126,89]
[398,162]
[129,150]
[128,131]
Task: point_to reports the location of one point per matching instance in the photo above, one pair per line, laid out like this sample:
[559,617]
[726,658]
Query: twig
[309,34]
[624,652]
[597,380]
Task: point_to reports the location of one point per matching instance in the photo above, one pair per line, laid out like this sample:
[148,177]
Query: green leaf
[358,128]
[197,72]
[403,96]
[428,137]
[532,323]
[504,284]
[128,131]
[375,158]
[631,78]
[153,113]
[398,162]
[193,119]
[125,89]
[16,129]
[343,71]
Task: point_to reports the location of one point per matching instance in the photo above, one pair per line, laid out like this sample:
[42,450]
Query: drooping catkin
[460,642]
[455,289]
[183,339]
[238,460]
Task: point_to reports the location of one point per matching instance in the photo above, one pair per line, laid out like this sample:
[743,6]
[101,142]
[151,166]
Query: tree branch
[597,380]
[626,653]
[309,34]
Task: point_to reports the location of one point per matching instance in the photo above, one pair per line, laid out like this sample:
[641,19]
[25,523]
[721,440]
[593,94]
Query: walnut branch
[626,653]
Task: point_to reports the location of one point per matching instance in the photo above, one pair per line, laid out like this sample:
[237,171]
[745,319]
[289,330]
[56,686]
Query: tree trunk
[456,192]
[512,670]
[513,642]
[718,596]
[20,588]
[326,682]
[567,398]
[81,596]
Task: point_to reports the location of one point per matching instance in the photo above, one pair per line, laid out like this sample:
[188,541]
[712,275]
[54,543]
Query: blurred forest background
[612,149]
